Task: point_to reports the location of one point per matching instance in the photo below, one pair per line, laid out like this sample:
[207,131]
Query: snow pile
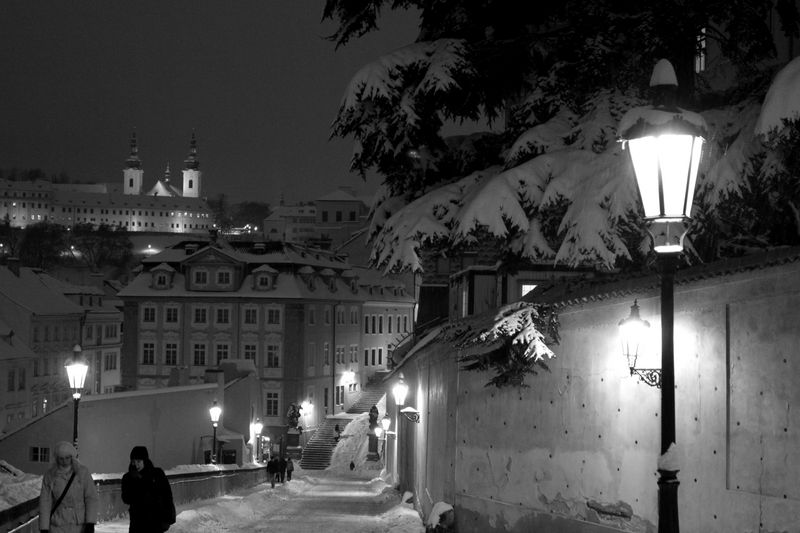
[782,101]
[16,486]
[353,446]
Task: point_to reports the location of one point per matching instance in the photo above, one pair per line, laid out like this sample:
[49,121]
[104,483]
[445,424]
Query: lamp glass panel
[378,431]
[644,156]
[76,373]
[675,158]
[400,391]
[697,149]
[215,412]
[386,422]
[634,335]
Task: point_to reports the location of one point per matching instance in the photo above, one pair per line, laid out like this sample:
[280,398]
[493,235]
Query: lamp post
[76,373]
[214,412]
[257,428]
[665,144]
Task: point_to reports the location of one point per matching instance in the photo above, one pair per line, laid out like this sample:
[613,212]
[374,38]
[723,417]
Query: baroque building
[163,208]
[301,319]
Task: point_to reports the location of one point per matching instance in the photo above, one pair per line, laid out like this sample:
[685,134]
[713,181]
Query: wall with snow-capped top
[577,451]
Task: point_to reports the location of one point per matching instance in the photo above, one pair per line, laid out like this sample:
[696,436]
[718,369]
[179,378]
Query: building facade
[127,205]
[294,314]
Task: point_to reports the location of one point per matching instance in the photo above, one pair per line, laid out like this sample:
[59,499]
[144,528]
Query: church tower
[191,172]
[133,173]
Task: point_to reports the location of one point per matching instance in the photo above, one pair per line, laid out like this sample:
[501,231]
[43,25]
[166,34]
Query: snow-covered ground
[337,500]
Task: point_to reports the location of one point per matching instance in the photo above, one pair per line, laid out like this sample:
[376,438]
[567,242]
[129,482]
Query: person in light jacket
[77,511]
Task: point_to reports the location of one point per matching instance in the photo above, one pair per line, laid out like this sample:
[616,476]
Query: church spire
[166,173]
[192,162]
[133,160]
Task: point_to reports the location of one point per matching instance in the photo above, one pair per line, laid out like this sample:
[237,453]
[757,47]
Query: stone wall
[576,451]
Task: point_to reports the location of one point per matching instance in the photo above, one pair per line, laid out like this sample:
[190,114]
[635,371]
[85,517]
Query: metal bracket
[651,376]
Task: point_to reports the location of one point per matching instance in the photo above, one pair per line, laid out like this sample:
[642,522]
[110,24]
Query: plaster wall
[577,450]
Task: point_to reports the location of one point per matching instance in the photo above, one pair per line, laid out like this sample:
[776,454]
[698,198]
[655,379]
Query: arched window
[191,184]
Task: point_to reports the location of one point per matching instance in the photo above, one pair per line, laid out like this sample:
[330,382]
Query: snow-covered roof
[338,196]
[782,100]
[29,292]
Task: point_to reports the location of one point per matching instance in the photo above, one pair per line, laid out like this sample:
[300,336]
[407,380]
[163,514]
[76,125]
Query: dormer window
[223,277]
[161,280]
[200,277]
[264,282]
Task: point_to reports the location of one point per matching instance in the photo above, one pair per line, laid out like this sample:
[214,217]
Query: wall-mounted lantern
[633,332]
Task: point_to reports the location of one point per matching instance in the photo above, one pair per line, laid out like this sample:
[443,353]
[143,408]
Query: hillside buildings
[162,208]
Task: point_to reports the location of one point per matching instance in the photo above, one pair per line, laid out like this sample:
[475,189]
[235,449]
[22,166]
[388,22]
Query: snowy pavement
[313,501]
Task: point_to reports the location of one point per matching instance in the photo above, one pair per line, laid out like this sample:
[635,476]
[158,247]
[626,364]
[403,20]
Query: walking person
[289,469]
[282,468]
[272,470]
[145,488]
[68,501]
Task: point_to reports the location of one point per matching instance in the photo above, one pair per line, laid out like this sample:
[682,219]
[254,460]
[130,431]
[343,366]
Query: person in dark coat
[145,488]
[282,468]
[272,470]
[289,469]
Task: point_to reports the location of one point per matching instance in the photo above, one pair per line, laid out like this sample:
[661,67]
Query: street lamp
[665,144]
[400,391]
[257,427]
[76,373]
[214,412]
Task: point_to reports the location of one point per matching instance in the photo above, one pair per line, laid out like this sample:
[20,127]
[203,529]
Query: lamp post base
[668,501]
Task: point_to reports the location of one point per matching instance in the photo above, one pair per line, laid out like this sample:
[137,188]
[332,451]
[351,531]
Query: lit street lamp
[76,373]
[215,411]
[257,427]
[665,144]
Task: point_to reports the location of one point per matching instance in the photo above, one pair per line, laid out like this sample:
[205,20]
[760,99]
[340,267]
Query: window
[327,315]
[340,315]
[338,216]
[366,357]
[148,314]
[324,216]
[110,361]
[405,323]
[111,331]
[148,353]
[251,316]
[171,315]
[380,356]
[39,455]
[223,351]
[525,288]
[398,323]
[171,354]
[199,354]
[271,404]
[161,280]
[223,315]
[354,315]
[11,380]
[380,323]
[89,332]
[389,324]
[273,316]
[373,357]
[366,324]
[326,353]
[250,351]
[21,379]
[340,354]
[312,316]
[200,315]
[223,277]
[374,329]
[200,277]
[273,358]
[264,282]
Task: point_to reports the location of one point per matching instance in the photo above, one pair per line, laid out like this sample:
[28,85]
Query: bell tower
[191,172]
[133,173]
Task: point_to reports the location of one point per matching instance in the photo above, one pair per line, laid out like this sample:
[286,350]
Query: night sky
[256,81]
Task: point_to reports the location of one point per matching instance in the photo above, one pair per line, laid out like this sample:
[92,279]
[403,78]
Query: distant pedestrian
[68,501]
[289,469]
[282,468]
[272,470]
[336,433]
[145,488]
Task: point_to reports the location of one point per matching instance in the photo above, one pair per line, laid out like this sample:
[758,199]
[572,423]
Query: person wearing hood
[145,488]
[68,501]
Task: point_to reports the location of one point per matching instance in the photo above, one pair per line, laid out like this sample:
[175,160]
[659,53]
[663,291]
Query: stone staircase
[318,451]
